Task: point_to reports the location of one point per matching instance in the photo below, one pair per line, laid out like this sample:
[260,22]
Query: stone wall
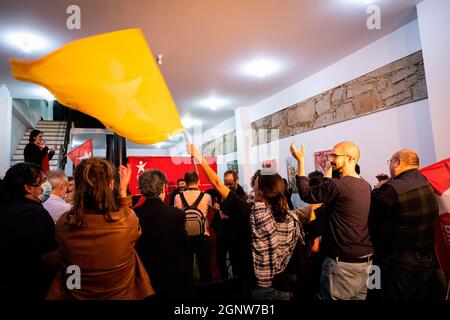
[221,145]
[393,85]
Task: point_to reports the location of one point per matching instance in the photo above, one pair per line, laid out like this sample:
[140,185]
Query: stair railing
[64,147]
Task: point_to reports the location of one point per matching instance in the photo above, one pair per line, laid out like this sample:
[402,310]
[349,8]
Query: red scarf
[45,165]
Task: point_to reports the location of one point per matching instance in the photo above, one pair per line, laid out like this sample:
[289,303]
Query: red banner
[438,175]
[173,167]
[83,151]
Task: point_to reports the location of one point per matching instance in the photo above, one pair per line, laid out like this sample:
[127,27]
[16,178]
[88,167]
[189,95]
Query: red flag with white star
[83,151]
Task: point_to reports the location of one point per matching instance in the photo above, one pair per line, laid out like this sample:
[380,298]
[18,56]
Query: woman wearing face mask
[36,151]
[98,235]
[27,238]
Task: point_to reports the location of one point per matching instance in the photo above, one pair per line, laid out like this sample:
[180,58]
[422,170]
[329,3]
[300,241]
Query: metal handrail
[64,147]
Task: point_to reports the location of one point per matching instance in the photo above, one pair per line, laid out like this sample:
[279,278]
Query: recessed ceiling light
[26,41]
[214,103]
[359,1]
[260,68]
[188,122]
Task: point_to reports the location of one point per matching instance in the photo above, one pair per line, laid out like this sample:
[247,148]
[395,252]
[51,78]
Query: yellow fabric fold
[112,77]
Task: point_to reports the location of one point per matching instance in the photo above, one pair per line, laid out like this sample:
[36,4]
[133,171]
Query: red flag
[438,175]
[173,167]
[83,151]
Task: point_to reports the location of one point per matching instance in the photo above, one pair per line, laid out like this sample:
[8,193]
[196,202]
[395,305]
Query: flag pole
[187,138]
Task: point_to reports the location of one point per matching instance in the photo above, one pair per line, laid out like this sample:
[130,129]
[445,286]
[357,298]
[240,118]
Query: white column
[434,26]
[5,129]
[244,143]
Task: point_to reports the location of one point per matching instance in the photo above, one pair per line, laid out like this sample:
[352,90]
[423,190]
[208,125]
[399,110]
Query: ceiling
[205,42]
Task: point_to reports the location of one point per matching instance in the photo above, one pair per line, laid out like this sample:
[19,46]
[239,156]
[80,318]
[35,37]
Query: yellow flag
[112,77]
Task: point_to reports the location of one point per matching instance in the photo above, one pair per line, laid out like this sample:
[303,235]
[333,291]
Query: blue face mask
[47,187]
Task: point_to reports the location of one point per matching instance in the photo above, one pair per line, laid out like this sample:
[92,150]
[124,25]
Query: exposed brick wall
[393,85]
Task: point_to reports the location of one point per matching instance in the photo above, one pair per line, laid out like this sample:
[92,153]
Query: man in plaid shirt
[404,213]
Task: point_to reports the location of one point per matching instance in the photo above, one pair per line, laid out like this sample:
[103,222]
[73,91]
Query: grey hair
[56,178]
[151,183]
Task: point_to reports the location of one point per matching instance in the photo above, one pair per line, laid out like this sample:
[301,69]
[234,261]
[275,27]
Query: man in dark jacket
[226,242]
[181,186]
[162,246]
[403,218]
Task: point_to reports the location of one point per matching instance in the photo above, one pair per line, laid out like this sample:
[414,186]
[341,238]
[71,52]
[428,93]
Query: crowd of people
[87,239]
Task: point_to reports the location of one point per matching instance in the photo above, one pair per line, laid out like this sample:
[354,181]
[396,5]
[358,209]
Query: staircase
[54,132]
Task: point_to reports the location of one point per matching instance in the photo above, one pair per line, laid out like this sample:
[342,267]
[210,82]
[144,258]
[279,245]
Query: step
[47,137]
[48,134]
[51,140]
[53,162]
[50,130]
[19,156]
[21,146]
[20,153]
[51,123]
[44,128]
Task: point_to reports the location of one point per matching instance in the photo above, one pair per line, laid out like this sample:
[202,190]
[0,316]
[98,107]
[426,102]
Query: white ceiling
[205,41]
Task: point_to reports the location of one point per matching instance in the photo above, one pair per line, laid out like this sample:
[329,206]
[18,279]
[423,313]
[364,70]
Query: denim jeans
[343,280]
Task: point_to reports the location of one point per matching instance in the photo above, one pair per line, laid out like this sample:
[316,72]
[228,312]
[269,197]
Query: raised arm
[299,155]
[209,172]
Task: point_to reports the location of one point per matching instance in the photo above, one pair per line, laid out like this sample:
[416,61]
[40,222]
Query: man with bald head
[345,236]
[403,219]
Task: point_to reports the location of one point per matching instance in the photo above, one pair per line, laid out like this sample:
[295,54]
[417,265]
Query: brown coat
[104,251]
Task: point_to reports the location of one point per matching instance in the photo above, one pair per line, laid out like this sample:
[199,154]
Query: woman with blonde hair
[98,237]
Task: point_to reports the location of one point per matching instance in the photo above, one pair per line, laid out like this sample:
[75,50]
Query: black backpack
[195,221]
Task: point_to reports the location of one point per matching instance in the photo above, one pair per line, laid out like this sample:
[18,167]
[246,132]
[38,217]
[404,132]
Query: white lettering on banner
[74,19]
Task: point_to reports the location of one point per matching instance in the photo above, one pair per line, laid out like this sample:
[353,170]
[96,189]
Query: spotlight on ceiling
[260,68]
[188,122]
[214,103]
[26,41]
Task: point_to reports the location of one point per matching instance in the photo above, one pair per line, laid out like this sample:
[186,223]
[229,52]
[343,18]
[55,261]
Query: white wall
[17,132]
[27,111]
[222,128]
[199,137]
[400,43]
[434,23]
[378,134]
[5,129]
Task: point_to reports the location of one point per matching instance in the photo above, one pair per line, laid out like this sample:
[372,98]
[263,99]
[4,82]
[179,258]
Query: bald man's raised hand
[299,155]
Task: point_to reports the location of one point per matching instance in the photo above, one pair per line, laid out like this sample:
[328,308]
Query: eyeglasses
[390,161]
[334,156]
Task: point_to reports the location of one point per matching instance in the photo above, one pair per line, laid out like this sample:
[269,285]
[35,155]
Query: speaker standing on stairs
[36,151]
